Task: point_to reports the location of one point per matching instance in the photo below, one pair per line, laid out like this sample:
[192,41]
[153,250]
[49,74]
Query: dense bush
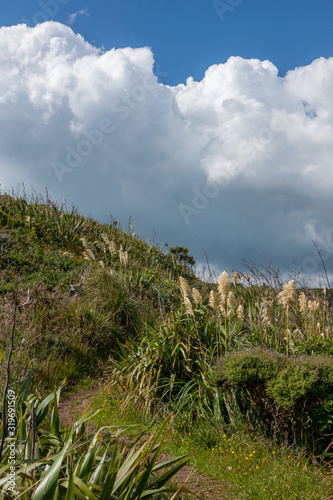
[303,380]
[249,366]
[289,398]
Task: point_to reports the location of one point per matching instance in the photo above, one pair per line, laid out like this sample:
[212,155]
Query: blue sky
[188,36]
[208,122]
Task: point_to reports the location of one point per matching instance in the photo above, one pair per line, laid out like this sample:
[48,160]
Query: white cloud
[81,12]
[243,156]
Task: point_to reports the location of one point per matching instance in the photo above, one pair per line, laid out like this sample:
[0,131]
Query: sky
[208,123]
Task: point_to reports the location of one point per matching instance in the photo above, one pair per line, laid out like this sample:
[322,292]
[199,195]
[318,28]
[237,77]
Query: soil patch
[75,404]
[203,487]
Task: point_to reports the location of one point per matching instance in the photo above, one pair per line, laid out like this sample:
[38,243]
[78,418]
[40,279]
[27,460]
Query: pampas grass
[223,284]
[267,313]
[123,257]
[231,303]
[223,288]
[271,316]
[213,300]
[88,254]
[288,296]
[240,313]
[109,244]
[303,303]
[187,294]
[313,306]
[188,306]
[184,287]
[196,296]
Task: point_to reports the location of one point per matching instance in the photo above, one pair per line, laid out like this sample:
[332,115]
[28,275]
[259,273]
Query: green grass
[255,469]
[252,467]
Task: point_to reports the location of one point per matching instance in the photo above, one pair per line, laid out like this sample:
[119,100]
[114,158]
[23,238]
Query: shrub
[290,399]
[305,379]
[248,367]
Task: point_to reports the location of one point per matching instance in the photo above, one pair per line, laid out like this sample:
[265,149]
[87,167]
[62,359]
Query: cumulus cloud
[238,164]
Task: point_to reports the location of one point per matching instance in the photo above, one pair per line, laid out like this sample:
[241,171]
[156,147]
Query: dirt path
[76,404]
[202,486]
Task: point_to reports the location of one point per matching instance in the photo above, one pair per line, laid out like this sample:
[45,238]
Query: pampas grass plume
[184,287]
[240,313]
[212,300]
[288,296]
[196,296]
[223,288]
[112,248]
[231,300]
[313,306]
[223,284]
[109,244]
[231,303]
[88,255]
[303,303]
[188,306]
[123,257]
[267,312]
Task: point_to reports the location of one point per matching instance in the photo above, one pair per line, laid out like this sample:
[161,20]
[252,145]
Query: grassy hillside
[242,363]
[90,286]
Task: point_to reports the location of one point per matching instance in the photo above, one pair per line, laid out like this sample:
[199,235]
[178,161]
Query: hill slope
[88,285]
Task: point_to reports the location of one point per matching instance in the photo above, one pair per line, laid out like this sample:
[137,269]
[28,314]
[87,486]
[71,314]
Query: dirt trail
[202,486]
[69,410]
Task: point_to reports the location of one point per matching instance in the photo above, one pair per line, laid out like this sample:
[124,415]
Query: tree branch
[7,368]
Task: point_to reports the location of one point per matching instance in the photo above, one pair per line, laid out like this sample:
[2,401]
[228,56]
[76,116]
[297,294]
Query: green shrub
[251,366]
[304,380]
[290,399]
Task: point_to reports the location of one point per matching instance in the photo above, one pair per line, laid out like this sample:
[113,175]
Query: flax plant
[53,462]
